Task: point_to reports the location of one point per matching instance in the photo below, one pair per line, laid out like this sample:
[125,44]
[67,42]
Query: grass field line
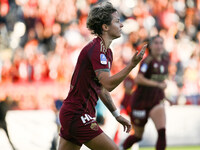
[174,148]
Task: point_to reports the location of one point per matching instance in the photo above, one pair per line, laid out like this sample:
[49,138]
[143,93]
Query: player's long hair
[165,55]
[99,15]
[151,40]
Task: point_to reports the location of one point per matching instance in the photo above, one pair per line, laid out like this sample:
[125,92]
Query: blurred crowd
[40,41]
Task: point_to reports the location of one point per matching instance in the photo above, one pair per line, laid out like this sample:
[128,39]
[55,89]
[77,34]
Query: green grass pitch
[174,148]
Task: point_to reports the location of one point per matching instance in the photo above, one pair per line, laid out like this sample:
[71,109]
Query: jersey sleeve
[99,61]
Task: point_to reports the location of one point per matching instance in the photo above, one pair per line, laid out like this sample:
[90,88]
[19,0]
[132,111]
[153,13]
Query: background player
[4,107]
[91,79]
[128,90]
[125,107]
[147,99]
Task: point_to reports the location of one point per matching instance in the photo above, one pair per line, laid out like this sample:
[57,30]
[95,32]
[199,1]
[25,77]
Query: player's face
[157,47]
[114,30]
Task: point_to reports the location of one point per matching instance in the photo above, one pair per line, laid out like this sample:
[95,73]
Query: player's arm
[111,82]
[107,100]
[141,80]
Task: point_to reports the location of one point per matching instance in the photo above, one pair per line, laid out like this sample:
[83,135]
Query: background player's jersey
[146,96]
[126,101]
[85,86]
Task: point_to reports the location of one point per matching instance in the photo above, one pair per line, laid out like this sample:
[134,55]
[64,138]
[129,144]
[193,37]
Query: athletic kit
[146,97]
[77,114]
[126,101]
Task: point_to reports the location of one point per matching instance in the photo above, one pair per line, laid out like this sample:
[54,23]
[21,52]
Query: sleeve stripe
[104,70]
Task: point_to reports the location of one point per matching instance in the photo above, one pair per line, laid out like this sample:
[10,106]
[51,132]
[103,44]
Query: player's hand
[162,85]
[138,57]
[126,124]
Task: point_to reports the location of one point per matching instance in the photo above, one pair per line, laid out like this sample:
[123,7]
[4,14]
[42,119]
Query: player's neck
[106,40]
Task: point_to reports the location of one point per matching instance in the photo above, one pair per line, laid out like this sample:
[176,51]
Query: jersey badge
[94,126]
[144,68]
[103,59]
[137,121]
[155,65]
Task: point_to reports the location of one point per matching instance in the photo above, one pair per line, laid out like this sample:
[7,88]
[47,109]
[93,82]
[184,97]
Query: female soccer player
[147,99]
[91,79]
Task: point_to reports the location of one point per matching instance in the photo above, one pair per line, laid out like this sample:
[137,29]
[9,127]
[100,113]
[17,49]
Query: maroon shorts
[139,117]
[140,113]
[78,128]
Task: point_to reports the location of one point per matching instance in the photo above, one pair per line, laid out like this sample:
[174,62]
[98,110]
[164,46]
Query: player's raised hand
[126,124]
[138,57]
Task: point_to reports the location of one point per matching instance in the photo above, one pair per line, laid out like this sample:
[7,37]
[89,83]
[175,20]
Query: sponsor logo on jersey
[103,59]
[158,77]
[144,68]
[94,126]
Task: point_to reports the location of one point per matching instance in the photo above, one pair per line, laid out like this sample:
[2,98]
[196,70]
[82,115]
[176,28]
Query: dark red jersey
[84,88]
[145,97]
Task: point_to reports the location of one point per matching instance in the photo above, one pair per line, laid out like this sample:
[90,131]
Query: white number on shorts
[139,113]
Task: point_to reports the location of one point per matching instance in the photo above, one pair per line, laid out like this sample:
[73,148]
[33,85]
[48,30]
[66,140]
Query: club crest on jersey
[94,126]
[103,59]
